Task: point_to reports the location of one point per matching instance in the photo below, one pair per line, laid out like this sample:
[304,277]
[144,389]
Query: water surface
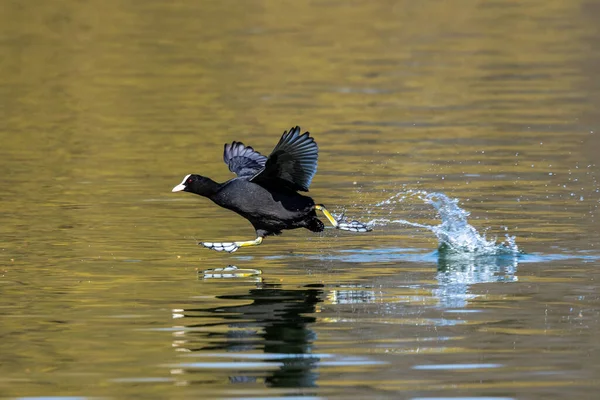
[105,106]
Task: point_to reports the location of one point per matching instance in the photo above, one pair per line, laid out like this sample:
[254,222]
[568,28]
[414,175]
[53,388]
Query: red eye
[189,180]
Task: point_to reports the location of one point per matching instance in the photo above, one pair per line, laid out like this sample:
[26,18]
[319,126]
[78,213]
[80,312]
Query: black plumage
[265,191]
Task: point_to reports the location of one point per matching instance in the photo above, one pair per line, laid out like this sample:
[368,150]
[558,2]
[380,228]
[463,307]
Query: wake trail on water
[454,233]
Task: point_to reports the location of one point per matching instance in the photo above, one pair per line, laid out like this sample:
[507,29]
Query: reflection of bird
[268,319]
[265,189]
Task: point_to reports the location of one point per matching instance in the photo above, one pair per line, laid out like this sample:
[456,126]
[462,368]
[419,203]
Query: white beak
[181,186]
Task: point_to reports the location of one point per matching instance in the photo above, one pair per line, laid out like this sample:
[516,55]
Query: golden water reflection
[106,105]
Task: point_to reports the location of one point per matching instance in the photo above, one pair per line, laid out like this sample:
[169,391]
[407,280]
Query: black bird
[265,191]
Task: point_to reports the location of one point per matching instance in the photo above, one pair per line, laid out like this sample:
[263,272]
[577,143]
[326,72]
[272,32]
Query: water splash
[454,234]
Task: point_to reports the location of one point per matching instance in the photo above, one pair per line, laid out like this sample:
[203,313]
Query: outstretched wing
[242,160]
[293,162]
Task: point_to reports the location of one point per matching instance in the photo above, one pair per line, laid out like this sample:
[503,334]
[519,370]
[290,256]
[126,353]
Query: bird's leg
[247,243]
[328,215]
[342,223]
[230,247]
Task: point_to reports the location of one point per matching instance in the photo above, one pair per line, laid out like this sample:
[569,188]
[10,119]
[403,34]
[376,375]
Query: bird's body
[270,210]
[265,191]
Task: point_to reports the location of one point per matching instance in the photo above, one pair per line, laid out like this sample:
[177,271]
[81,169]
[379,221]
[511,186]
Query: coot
[265,191]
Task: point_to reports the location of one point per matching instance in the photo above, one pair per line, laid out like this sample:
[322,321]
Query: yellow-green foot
[342,223]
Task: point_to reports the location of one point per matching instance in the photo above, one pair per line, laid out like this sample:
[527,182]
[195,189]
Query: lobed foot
[229,247]
[354,226]
[351,226]
[342,223]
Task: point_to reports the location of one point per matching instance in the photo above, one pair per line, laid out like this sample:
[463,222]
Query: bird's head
[197,184]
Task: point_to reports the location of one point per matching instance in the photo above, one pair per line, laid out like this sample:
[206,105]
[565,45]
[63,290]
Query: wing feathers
[243,160]
[293,162]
